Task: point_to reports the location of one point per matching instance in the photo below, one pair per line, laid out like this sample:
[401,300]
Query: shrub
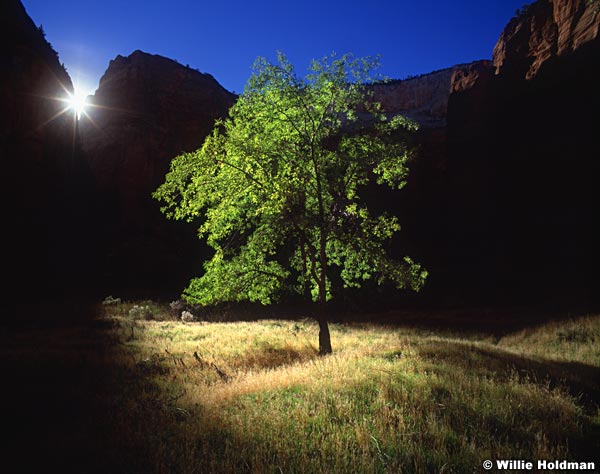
[177,307]
[187,317]
[141,312]
[109,300]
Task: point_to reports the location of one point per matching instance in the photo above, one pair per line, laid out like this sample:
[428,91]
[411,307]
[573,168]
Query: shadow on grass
[51,371]
[272,358]
[495,322]
[79,402]
[581,380]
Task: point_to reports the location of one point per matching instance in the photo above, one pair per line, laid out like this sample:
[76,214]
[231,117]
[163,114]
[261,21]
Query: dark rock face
[500,205]
[522,155]
[422,204]
[149,109]
[44,178]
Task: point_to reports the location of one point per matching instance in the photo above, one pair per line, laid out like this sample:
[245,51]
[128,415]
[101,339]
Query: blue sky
[224,37]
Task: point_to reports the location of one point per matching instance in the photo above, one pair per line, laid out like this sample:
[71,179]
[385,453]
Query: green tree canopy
[277,188]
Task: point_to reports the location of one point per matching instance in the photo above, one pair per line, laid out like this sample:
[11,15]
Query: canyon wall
[543,31]
[45,183]
[500,204]
[147,110]
[522,163]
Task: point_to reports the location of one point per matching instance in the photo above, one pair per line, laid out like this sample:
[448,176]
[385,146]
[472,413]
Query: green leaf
[277,186]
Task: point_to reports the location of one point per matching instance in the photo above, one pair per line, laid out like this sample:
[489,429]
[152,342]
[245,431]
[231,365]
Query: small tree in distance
[277,186]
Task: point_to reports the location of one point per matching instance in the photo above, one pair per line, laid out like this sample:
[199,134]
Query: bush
[177,307]
[109,300]
[141,312]
[187,317]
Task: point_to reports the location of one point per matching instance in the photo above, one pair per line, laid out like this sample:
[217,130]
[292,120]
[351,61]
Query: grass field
[173,397]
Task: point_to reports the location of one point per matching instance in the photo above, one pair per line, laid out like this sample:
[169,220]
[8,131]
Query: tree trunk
[324,337]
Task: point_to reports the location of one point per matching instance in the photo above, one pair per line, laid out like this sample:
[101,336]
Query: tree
[278,184]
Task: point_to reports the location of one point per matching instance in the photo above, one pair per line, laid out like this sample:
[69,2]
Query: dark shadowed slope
[45,183]
[522,163]
[500,203]
[148,110]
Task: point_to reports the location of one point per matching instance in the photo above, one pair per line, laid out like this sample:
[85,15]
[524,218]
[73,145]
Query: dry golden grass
[576,340]
[256,397]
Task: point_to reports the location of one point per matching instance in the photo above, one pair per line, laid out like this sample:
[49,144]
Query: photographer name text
[518,464]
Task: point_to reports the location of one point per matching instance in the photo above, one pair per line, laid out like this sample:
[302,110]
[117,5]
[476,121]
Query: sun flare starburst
[77,102]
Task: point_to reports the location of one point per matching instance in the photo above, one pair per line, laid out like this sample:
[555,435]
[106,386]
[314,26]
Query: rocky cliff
[522,157]
[45,180]
[421,205]
[499,205]
[147,110]
[544,30]
[423,98]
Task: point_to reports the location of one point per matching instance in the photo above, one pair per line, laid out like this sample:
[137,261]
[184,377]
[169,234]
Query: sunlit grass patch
[256,397]
[574,340]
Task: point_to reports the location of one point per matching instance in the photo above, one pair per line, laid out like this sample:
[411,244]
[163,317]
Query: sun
[77,102]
